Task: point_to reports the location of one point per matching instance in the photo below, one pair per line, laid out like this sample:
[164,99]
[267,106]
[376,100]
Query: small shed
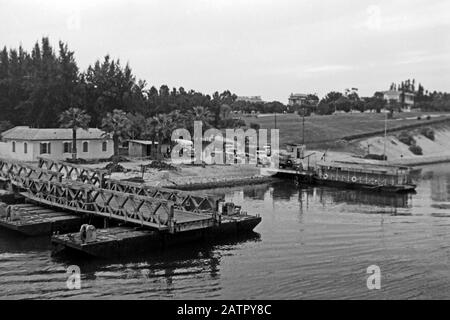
[142,148]
[297,151]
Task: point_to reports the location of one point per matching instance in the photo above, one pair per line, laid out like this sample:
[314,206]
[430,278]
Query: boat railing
[362,177]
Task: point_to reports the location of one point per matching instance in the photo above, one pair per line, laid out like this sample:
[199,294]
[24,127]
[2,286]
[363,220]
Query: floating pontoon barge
[368,176]
[61,196]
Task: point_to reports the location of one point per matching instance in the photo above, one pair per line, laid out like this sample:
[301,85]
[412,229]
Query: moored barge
[367,176]
[120,241]
[352,175]
[356,174]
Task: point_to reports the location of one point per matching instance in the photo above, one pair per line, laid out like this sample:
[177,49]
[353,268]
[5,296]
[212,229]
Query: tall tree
[110,86]
[118,125]
[75,119]
[331,100]
[160,128]
[199,113]
[138,125]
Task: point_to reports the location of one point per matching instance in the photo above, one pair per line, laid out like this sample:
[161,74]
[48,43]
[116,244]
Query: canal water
[312,243]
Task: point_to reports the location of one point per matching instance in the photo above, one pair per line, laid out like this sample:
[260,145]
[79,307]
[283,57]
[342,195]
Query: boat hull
[307,178]
[375,188]
[134,242]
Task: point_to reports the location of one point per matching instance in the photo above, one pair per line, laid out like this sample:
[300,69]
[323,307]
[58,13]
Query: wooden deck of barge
[32,220]
[119,241]
[109,242]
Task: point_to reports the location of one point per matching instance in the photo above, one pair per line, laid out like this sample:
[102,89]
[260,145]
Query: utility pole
[275,114]
[303,126]
[385,135]
[402,95]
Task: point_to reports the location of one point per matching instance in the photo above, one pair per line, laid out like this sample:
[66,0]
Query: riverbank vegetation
[38,86]
[326,131]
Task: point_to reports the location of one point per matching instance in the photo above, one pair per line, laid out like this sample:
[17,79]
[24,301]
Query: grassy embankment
[327,132]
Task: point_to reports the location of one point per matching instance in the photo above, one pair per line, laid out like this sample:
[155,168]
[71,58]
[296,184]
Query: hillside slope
[322,131]
[433,150]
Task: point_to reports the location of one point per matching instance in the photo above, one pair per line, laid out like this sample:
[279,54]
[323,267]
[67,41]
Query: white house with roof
[297,99]
[252,99]
[26,144]
[300,99]
[394,95]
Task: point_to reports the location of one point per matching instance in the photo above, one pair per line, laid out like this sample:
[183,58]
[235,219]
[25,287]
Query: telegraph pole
[385,135]
[303,126]
[275,118]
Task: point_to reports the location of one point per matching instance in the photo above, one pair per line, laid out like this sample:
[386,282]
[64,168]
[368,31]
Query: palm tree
[75,119]
[225,112]
[202,114]
[160,128]
[179,119]
[118,124]
[138,123]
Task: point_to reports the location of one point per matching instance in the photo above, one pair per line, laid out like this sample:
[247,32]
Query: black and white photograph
[206,151]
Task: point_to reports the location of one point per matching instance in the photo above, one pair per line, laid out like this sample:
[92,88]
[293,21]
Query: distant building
[142,148]
[395,95]
[299,99]
[26,144]
[251,99]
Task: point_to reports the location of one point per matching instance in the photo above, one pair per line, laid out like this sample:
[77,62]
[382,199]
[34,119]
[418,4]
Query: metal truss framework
[156,210]
[12,170]
[74,172]
[183,200]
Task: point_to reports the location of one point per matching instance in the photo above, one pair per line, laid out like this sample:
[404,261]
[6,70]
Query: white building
[26,144]
[394,95]
[297,99]
[300,99]
[252,99]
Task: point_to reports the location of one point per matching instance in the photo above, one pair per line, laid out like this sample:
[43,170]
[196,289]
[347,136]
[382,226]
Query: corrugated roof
[27,133]
[144,142]
[298,95]
[396,92]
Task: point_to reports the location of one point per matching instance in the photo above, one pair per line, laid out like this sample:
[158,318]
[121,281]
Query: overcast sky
[252,47]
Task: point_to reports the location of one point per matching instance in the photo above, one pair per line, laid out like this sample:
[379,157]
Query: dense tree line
[337,101]
[37,87]
[432,101]
[423,100]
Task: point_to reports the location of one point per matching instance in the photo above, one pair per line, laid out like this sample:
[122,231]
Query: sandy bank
[434,151]
[189,177]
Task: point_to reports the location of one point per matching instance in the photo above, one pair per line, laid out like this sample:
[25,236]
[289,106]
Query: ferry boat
[369,175]
[376,177]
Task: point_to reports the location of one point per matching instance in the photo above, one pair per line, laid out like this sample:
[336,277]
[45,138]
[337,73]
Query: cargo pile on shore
[191,177]
[212,182]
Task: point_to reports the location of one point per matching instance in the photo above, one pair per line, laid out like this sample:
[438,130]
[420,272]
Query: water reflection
[436,179]
[13,242]
[392,200]
[163,266]
[288,191]
[440,188]
[312,243]
[255,192]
